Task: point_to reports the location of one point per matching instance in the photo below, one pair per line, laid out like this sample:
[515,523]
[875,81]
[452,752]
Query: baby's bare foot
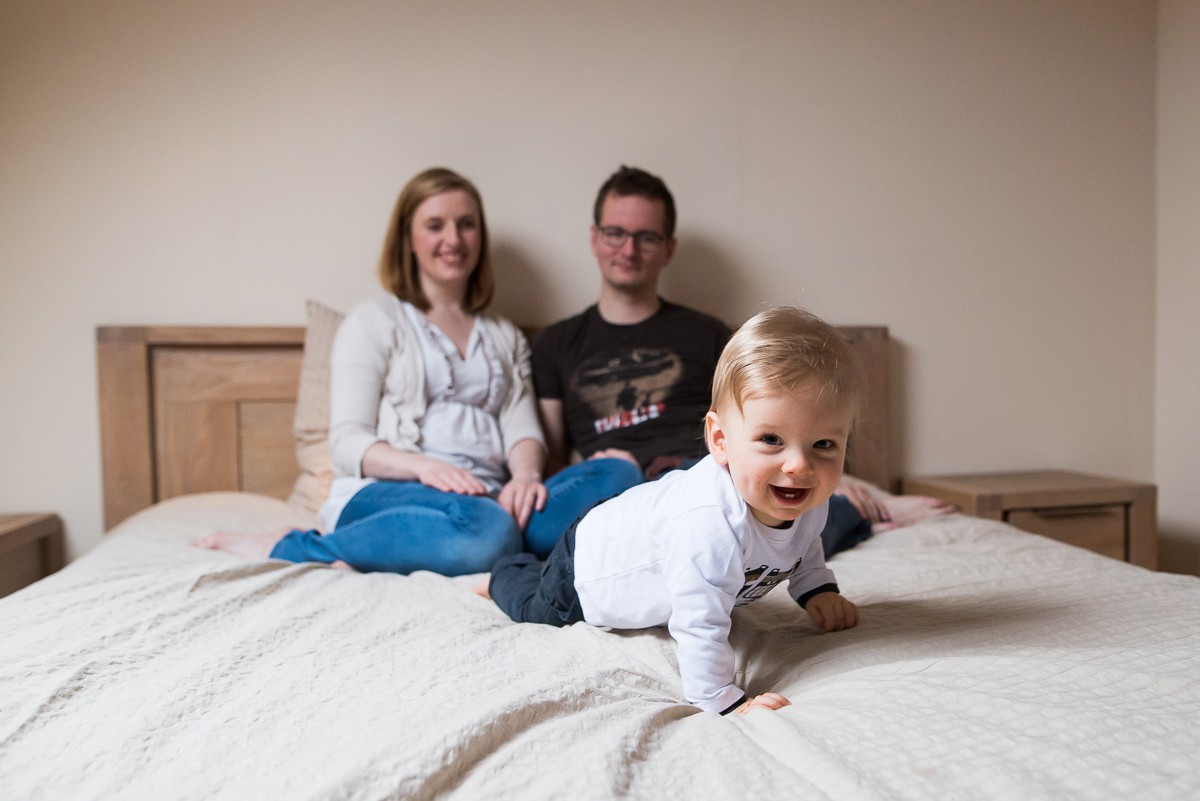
[481,589]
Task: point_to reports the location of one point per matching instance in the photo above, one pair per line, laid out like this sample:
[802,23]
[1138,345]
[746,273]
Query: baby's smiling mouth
[791,494]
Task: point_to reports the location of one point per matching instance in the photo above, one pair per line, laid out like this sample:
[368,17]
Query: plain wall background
[980,177]
[1177,389]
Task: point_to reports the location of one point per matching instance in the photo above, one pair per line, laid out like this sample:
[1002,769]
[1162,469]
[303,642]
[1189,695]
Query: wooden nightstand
[31,547]
[1110,516]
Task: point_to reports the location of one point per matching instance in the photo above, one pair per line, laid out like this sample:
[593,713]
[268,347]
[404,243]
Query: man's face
[632,266]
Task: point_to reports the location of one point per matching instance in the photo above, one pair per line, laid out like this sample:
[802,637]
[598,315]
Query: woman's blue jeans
[402,526]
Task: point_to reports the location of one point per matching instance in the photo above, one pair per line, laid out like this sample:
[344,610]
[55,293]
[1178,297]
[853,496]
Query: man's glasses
[615,237]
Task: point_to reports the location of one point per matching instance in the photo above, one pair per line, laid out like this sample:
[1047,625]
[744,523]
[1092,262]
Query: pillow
[310,428]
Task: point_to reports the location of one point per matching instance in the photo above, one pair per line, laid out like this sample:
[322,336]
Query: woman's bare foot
[340,565]
[252,546]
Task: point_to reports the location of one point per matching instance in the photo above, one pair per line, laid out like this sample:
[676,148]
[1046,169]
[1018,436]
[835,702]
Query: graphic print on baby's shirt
[760,581]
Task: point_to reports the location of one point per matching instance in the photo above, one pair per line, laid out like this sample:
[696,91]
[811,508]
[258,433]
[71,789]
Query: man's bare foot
[252,546]
[481,589]
[907,510]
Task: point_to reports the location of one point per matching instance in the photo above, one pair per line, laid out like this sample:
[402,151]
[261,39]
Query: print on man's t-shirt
[628,387]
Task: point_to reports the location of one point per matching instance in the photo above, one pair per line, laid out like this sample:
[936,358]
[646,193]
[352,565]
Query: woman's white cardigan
[377,387]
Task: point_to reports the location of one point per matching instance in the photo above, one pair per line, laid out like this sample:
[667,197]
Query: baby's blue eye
[824,444]
[771,439]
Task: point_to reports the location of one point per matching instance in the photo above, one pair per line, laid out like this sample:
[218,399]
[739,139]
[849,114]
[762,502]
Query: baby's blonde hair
[782,350]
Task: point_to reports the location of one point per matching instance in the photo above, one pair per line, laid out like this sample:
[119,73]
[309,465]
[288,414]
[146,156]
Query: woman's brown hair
[398,267]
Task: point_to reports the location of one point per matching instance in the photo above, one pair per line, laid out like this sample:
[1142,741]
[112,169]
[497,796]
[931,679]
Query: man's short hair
[784,349]
[631,181]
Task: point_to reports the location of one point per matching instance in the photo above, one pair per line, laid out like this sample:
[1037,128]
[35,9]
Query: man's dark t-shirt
[643,388]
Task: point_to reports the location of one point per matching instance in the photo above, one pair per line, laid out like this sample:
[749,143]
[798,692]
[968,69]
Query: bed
[989,664]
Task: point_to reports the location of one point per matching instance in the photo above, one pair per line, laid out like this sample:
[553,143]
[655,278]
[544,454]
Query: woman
[437,451]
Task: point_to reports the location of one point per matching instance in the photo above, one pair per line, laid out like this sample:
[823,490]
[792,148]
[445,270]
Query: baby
[686,549]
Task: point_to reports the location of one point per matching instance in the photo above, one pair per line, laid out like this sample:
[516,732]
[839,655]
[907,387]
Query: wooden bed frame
[187,409]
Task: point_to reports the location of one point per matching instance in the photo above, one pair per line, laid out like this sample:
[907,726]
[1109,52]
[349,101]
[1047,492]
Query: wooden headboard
[188,409]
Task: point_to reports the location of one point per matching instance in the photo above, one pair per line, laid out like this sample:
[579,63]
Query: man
[631,376]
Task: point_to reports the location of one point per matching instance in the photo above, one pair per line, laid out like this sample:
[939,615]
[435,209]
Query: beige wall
[978,176]
[1177,389]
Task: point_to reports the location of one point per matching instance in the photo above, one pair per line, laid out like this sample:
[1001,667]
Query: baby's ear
[714,435]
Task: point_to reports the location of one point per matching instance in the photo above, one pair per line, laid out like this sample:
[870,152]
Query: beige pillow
[311,425]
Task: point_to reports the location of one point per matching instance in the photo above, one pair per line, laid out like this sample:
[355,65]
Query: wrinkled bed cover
[989,664]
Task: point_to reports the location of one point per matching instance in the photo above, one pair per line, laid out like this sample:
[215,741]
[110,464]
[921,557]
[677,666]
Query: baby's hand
[764,701]
[831,612]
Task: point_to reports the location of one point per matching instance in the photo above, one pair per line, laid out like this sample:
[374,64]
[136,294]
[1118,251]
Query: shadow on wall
[701,275]
[522,291]
[704,276]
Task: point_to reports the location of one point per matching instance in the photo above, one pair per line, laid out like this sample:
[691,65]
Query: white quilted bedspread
[989,664]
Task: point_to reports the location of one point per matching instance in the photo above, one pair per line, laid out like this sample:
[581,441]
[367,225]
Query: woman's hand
[525,492]
[522,495]
[383,461]
[447,477]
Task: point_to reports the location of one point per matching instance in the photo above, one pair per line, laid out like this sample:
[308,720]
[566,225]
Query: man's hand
[831,612]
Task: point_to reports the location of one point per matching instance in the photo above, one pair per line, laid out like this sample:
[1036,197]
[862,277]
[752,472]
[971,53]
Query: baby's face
[784,452]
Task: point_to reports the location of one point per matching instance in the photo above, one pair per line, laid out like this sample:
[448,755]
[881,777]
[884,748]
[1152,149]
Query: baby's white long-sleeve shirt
[682,551]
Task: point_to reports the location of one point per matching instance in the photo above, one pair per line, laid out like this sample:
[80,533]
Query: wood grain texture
[172,411]
[31,548]
[126,452]
[212,431]
[1112,516]
[869,456]
[188,409]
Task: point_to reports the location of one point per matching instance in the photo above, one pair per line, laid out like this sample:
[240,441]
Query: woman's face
[446,239]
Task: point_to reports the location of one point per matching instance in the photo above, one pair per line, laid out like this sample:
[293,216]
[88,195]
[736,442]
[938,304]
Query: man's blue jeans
[844,528]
